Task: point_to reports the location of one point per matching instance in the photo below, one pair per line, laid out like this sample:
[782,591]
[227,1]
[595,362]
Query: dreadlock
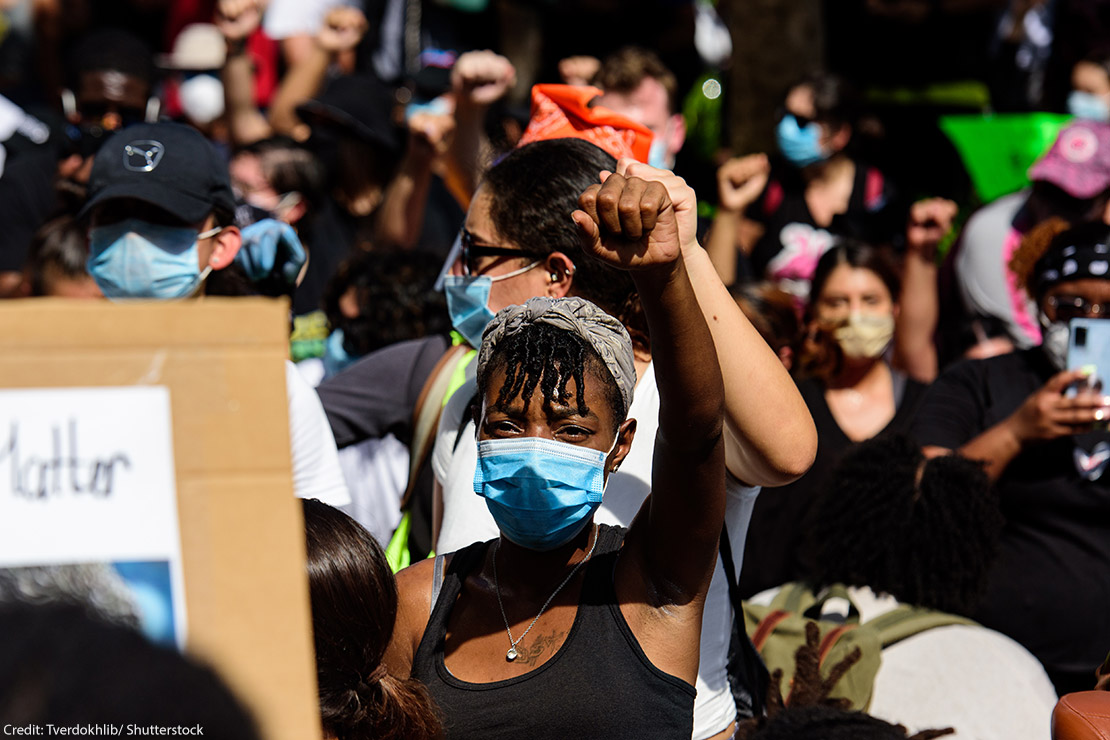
[828,723]
[810,713]
[923,531]
[544,356]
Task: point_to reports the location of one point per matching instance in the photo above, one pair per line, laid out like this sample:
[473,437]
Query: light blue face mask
[800,146]
[657,155]
[1088,106]
[468,302]
[137,259]
[541,492]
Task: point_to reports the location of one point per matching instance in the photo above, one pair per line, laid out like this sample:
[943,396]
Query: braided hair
[354,604]
[543,356]
[923,531]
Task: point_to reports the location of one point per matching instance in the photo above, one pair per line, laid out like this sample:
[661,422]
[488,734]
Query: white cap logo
[1079,145]
[143,155]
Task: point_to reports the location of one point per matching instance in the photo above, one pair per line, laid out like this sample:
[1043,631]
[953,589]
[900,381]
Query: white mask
[202,98]
[1054,341]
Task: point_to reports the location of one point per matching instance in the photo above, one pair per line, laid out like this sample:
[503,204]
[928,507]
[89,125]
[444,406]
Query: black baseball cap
[358,104]
[168,165]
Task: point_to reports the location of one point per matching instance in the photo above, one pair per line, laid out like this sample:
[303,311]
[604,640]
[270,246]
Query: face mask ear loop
[512,274]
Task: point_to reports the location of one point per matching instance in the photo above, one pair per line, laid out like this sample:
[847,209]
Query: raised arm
[739,182]
[237,20]
[478,80]
[915,351]
[631,224]
[341,31]
[770,439]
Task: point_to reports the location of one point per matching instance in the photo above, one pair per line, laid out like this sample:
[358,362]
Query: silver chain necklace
[512,654]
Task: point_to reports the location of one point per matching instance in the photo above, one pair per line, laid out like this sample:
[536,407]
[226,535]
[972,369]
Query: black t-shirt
[792,241]
[1050,587]
[777,549]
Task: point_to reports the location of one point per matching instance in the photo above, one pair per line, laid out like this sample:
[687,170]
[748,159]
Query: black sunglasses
[1073,307]
[472,251]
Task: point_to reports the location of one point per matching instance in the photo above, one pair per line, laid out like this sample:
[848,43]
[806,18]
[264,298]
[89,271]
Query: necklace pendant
[511,655]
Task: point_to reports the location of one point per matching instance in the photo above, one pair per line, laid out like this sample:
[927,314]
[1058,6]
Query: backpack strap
[429,407]
[748,676]
[437,581]
[907,621]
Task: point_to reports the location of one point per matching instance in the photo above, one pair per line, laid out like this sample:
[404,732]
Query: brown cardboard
[242,532]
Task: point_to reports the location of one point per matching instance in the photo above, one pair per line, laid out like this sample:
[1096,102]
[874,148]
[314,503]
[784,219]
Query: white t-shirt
[316,472]
[466,519]
[285,18]
[976,680]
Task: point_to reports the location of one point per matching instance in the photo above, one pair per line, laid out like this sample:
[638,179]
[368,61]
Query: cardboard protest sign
[149,442]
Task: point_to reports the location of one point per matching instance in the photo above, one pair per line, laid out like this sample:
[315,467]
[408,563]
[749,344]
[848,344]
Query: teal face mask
[1088,106]
[801,146]
[541,492]
[468,302]
[136,259]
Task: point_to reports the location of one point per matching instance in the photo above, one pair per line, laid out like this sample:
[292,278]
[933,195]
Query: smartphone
[1089,347]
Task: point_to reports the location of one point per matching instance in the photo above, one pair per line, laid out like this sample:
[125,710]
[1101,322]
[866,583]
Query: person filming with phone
[1038,423]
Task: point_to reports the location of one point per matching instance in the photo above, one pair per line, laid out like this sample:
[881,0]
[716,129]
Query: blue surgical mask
[657,155]
[137,259]
[801,146]
[468,302]
[1089,106]
[541,492]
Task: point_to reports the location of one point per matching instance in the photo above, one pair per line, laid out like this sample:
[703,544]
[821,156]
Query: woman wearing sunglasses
[1039,426]
[783,212]
[525,204]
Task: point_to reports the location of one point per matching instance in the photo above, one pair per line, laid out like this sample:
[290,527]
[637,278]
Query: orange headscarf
[564,111]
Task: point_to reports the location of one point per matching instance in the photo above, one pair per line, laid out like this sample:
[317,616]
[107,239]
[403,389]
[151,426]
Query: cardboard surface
[242,533]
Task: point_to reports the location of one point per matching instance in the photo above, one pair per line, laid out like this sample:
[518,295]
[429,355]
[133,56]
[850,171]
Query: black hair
[829,723]
[923,531]
[395,299]
[540,355]
[354,604]
[110,49]
[1047,200]
[59,666]
[534,191]
[835,101]
[857,254]
[289,167]
[59,250]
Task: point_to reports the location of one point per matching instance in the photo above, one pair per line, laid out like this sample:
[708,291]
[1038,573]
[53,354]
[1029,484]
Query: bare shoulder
[414,605]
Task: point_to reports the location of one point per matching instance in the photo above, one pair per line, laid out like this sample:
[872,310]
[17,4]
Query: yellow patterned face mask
[864,335]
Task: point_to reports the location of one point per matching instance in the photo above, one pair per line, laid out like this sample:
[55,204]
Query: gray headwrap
[601,331]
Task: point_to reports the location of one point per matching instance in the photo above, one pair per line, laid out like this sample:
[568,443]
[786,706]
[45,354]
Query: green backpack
[779,630]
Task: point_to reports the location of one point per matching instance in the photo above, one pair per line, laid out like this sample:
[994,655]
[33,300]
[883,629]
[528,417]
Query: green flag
[999,149]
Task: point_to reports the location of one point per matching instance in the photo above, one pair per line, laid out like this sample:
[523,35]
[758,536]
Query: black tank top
[599,683]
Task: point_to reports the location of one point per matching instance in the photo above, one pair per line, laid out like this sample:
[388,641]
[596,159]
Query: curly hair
[395,299]
[354,604]
[923,531]
[543,356]
[1033,246]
